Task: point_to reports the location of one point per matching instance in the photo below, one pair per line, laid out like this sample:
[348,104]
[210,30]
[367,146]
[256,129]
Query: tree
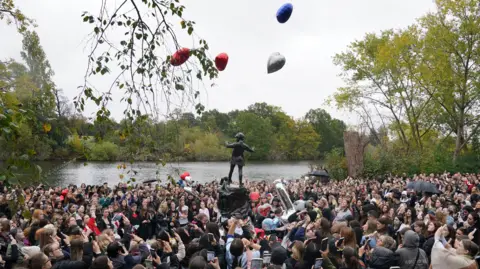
[378,72]
[258,132]
[62,107]
[143,57]
[330,130]
[451,65]
[213,121]
[11,14]
[306,140]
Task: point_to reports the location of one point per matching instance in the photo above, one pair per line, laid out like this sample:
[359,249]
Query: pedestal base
[234,200]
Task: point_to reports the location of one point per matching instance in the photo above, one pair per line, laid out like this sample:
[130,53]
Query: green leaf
[179,87]
[190,30]
[3,177]
[138,35]
[96,30]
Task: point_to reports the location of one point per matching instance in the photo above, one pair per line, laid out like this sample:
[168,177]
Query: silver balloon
[299,205]
[275,62]
[286,202]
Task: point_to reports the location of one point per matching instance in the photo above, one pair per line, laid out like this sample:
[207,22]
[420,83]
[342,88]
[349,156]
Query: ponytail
[235,262]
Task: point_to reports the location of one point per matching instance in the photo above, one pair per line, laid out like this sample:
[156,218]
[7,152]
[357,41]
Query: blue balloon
[284,13]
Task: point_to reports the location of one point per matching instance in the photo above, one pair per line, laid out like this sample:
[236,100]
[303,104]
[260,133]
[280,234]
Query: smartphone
[153,253]
[257,263]
[266,257]
[211,238]
[340,241]
[92,237]
[324,244]
[318,263]
[210,256]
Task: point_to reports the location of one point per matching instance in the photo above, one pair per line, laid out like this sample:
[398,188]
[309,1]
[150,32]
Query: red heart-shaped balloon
[180,57]
[221,61]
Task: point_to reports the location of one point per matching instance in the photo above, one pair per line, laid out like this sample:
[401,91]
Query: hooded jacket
[382,258]
[408,253]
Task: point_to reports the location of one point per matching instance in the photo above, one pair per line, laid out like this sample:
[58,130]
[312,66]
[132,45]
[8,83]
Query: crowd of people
[354,224]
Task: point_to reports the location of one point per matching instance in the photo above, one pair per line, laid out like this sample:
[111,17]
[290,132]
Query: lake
[99,172]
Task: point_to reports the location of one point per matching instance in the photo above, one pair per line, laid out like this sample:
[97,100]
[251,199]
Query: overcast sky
[248,31]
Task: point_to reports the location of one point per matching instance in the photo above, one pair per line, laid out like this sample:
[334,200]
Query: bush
[381,160]
[208,148]
[336,164]
[102,151]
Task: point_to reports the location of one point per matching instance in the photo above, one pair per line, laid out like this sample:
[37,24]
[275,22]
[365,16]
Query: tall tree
[329,129]
[377,73]
[41,73]
[451,66]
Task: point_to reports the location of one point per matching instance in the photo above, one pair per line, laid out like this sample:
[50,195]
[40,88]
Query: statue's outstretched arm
[229,145]
[247,148]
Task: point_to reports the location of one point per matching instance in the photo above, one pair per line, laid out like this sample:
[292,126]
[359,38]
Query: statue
[237,156]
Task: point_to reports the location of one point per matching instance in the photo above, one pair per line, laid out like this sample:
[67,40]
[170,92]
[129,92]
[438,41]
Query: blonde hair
[45,236]
[76,250]
[298,250]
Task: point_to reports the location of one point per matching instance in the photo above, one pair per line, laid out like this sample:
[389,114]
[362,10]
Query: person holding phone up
[235,254]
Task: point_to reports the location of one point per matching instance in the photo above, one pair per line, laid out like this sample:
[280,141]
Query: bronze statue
[237,156]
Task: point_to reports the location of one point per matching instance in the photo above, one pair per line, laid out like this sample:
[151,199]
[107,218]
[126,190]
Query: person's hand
[156,259]
[125,251]
[95,247]
[166,247]
[177,237]
[471,234]
[326,252]
[246,242]
[145,221]
[215,263]
[126,221]
[361,251]
[12,240]
[400,246]
[85,238]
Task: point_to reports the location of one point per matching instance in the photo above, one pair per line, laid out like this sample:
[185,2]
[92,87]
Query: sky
[248,31]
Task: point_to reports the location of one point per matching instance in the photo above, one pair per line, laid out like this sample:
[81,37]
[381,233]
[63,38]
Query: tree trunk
[354,150]
[459,142]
